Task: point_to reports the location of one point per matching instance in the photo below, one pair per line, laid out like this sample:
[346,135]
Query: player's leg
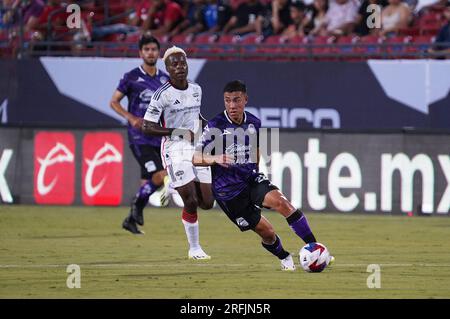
[204,195]
[272,243]
[129,222]
[203,186]
[165,190]
[246,216]
[189,217]
[150,161]
[294,217]
[182,178]
[158,177]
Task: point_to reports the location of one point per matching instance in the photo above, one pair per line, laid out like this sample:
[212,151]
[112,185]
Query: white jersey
[176,108]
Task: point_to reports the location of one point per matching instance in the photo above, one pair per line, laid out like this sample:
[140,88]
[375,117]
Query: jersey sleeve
[124,85]
[155,109]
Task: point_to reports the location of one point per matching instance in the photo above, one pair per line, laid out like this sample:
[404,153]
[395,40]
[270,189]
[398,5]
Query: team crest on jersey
[251,129]
[146,95]
[179,174]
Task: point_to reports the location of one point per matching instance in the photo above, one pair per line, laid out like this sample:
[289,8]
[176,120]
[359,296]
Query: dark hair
[235,86]
[299,5]
[146,39]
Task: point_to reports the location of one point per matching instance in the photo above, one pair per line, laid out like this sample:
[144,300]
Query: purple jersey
[240,141]
[138,86]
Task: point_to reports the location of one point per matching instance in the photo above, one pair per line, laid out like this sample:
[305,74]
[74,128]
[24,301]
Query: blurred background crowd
[187,20]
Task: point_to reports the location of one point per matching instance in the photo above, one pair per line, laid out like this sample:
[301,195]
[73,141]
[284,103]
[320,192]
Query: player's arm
[201,159]
[152,128]
[136,122]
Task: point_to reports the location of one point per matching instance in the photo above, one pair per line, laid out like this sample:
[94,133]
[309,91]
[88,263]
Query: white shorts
[183,172]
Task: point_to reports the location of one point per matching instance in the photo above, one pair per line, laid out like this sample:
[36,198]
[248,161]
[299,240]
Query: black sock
[276,248]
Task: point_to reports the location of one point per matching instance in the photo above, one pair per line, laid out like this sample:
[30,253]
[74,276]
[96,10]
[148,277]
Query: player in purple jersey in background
[230,145]
[138,86]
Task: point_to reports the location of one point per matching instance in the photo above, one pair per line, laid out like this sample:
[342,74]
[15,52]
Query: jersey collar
[231,121]
[145,73]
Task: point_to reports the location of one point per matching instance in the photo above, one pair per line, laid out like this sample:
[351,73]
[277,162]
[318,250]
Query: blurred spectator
[193,22]
[436,5]
[412,4]
[140,13]
[53,13]
[442,42]
[100,32]
[162,17]
[362,27]
[4,5]
[247,18]
[26,12]
[281,15]
[341,17]
[216,15]
[316,15]
[299,20]
[397,15]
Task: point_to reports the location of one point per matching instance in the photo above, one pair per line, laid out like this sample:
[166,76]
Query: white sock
[192,234]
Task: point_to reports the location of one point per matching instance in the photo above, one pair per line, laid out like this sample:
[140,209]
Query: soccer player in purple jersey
[138,86]
[229,145]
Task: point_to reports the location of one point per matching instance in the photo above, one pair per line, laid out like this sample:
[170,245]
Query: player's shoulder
[194,85]
[219,120]
[251,118]
[163,75]
[132,74]
[161,91]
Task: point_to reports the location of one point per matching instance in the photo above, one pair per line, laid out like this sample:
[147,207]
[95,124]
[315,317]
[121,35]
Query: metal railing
[354,51]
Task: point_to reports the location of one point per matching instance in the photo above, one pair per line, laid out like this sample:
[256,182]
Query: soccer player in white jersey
[174,113]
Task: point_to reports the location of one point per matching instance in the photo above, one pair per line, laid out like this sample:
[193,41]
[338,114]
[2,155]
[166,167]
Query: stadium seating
[409,41]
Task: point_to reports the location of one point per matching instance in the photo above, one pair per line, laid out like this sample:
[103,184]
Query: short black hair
[146,39]
[235,86]
[299,5]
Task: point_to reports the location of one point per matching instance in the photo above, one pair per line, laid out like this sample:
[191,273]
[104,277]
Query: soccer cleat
[331,261]
[137,213]
[287,264]
[165,192]
[198,254]
[130,225]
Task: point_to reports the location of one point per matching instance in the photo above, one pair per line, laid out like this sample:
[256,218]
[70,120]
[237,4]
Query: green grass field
[37,243]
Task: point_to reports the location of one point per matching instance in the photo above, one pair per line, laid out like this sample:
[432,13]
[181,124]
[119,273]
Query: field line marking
[206,264]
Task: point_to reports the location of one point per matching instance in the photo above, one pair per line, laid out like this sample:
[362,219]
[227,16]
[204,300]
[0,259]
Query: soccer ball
[314,257]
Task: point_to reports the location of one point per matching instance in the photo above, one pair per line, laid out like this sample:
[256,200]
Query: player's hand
[136,122]
[224,160]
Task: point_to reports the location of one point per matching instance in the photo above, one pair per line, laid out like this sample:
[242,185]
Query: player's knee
[158,178]
[191,203]
[283,206]
[207,205]
[269,235]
